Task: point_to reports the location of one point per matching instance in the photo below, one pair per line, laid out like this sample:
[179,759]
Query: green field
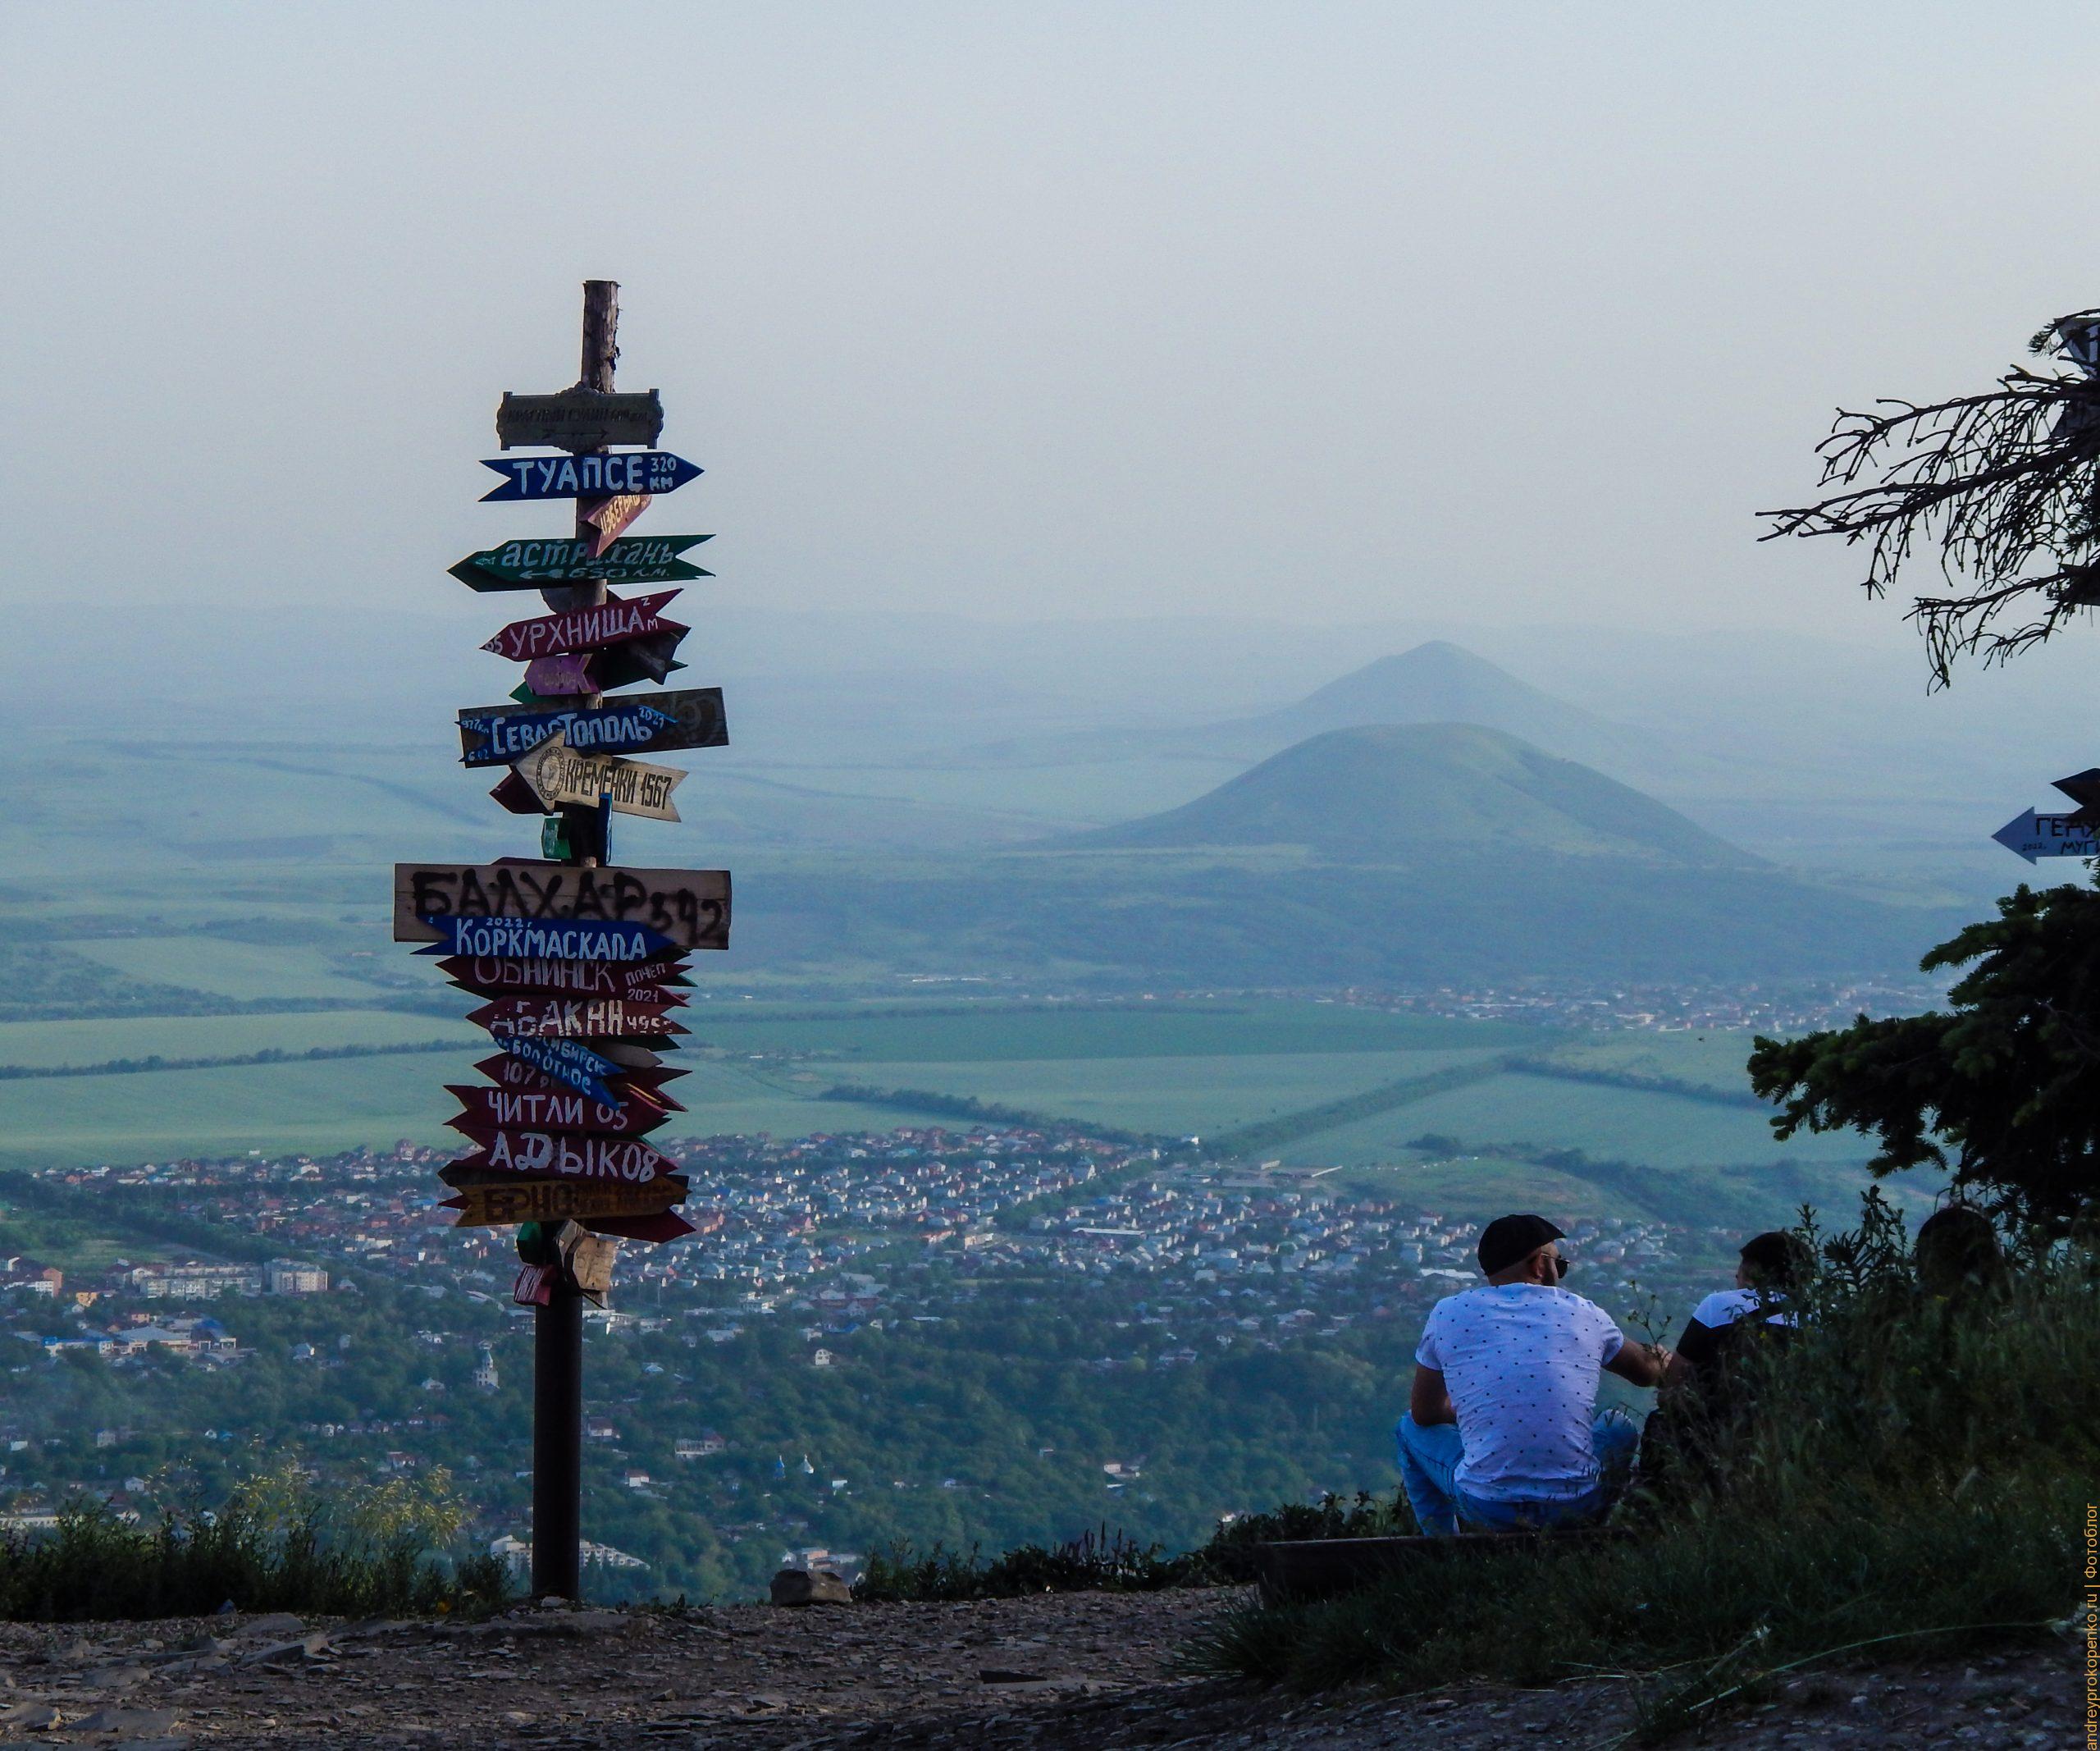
[1713,1059]
[320,1108]
[1330,1086]
[1171,1096]
[987,1033]
[47,1043]
[1661,1130]
[238,969]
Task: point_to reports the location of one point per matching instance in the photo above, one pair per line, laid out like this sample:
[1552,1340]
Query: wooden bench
[1318,1568]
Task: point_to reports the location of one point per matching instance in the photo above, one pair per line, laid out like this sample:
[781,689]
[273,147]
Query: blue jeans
[1429,1463]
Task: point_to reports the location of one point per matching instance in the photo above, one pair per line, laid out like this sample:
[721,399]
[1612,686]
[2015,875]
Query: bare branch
[2005,485]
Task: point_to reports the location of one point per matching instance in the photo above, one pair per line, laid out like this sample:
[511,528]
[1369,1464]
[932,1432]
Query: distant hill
[1436,682]
[1408,794]
[1395,855]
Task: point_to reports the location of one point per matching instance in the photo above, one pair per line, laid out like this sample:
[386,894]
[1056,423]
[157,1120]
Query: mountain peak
[1439,682]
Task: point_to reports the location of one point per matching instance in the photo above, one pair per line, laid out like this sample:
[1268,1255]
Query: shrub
[1103,1562]
[275,1546]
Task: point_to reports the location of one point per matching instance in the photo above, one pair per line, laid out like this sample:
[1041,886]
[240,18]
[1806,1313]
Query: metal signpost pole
[558,1326]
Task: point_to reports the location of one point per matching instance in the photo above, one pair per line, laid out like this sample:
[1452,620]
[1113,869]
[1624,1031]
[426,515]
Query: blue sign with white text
[604,474]
[548,938]
[626,728]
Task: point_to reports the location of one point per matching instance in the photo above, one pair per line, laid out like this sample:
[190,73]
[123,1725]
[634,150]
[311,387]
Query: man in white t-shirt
[1502,1430]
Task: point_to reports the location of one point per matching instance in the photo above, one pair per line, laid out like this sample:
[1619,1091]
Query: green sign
[533,564]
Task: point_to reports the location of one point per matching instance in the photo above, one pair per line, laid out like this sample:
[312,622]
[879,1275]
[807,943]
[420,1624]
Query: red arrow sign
[495,976]
[584,629]
[557,1155]
[563,1201]
[670,1226]
[536,1110]
[651,657]
[574,1019]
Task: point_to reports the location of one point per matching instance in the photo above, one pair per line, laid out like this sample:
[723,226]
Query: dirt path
[1083,1671]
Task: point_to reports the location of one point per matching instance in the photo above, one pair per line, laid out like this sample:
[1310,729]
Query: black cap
[1508,1240]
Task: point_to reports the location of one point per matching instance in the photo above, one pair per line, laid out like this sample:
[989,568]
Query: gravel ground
[1084,1669]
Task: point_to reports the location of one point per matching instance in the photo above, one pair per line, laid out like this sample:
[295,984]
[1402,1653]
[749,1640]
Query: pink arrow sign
[608,517]
[551,677]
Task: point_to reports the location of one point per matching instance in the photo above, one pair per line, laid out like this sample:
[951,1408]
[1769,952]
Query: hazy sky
[1336,312]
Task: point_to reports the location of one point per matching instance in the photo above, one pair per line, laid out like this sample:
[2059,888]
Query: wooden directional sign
[609,622]
[691,717]
[589,476]
[533,939]
[657,996]
[2084,789]
[555,677]
[504,1071]
[569,1061]
[2037,836]
[562,1154]
[574,1019]
[492,976]
[554,1109]
[557,911]
[535,565]
[608,517]
[560,1200]
[670,1226]
[578,419]
[571,672]
[558,776]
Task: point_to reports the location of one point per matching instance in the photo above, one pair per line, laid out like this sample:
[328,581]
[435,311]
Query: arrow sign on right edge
[2037,836]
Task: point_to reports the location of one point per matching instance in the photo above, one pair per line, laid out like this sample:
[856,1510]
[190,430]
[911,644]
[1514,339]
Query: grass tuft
[273,1546]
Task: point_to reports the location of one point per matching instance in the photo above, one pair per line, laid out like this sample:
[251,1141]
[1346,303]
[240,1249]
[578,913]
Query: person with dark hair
[1502,1430]
[1956,1252]
[1703,1390]
[1772,1271]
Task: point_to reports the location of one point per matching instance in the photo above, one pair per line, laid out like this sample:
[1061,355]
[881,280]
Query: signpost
[610,622]
[551,1109]
[557,774]
[577,959]
[565,1153]
[2037,836]
[561,1200]
[496,735]
[2077,835]
[574,1019]
[621,914]
[534,565]
[498,975]
[649,659]
[506,1070]
[578,419]
[608,517]
[595,474]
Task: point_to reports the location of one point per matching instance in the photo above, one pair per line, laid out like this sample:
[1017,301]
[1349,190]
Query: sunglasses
[1561,1267]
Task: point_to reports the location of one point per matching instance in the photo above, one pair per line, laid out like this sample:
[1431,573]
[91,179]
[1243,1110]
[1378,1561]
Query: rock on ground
[1089,1671]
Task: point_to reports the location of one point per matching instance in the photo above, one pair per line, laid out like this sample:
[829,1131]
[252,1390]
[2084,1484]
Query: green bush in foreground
[274,1546]
[1102,1562]
[1914,1470]
[1112,1562]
